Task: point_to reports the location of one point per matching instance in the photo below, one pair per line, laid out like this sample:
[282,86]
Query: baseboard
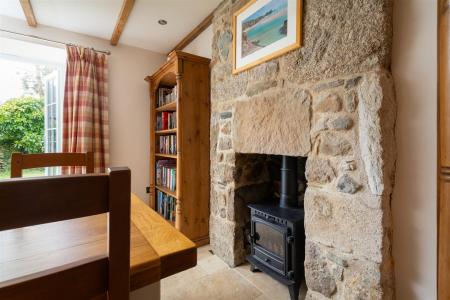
[201,241]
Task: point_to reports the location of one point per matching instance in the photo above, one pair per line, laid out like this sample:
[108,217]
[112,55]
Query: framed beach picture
[263,30]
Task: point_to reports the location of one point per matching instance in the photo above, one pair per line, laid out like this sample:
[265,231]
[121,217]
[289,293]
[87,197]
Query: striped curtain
[85,115]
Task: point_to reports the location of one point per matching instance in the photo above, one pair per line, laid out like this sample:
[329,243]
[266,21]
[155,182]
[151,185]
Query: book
[166,206]
[166,120]
[168,144]
[166,174]
[166,96]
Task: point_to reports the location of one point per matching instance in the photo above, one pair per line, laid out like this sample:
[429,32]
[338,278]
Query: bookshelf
[166,131]
[171,156]
[179,144]
[168,107]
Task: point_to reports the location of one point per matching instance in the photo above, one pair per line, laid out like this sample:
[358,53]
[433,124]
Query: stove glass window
[269,239]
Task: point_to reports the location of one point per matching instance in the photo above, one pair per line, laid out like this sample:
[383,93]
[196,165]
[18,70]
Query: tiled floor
[212,279]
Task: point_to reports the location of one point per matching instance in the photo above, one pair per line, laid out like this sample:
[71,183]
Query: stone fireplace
[333,102]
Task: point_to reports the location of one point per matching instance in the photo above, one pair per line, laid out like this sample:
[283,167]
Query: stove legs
[254,268]
[293,284]
[294,291]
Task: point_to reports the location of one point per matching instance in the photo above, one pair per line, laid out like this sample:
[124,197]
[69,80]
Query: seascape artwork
[265,29]
[266,26]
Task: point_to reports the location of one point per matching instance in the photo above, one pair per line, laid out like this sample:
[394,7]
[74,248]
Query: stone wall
[332,101]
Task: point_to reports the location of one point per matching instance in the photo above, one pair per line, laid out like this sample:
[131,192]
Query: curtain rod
[53,41]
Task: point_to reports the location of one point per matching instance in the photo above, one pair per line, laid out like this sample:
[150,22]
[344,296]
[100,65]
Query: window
[31,97]
[52,112]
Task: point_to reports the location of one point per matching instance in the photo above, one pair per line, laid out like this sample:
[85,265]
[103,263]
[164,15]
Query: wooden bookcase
[190,75]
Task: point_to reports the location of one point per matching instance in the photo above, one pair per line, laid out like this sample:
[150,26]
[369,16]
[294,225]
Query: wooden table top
[157,249]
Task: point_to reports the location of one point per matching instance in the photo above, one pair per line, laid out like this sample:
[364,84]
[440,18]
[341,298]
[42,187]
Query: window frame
[60,68]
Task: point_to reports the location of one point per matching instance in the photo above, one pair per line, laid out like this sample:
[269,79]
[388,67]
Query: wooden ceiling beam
[127,6]
[28,12]
[194,33]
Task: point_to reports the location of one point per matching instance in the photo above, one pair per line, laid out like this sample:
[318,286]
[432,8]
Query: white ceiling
[98,18]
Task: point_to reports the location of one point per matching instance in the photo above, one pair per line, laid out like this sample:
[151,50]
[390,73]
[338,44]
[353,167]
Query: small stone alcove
[258,180]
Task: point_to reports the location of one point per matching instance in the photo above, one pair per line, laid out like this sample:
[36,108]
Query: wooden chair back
[33,201]
[20,162]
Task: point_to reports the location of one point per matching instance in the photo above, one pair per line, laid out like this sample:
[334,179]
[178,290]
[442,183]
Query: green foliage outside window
[21,127]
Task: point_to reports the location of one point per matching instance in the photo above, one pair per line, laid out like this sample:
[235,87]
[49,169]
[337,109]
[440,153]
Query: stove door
[269,244]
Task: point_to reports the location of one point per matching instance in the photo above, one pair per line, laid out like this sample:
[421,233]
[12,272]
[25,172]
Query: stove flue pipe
[289,184]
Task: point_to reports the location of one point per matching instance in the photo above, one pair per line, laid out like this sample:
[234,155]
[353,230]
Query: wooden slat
[43,248]
[20,162]
[73,282]
[127,6]
[194,33]
[28,12]
[31,201]
[119,240]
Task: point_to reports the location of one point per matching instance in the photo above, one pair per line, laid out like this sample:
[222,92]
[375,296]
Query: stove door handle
[250,238]
[253,237]
[290,275]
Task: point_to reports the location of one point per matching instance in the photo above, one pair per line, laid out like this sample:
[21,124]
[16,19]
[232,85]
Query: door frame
[443,151]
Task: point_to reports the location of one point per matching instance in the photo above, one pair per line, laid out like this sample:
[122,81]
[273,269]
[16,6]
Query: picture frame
[264,30]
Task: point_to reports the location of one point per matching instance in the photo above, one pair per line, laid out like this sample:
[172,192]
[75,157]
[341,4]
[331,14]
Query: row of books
[166,205]
[166,120]
[168,144]
[166,174]
[166,95]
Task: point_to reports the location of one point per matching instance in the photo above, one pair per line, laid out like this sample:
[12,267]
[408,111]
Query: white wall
[414,65]
[202,45]
[128,97]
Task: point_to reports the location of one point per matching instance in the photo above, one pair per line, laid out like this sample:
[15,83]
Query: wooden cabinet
[187,77]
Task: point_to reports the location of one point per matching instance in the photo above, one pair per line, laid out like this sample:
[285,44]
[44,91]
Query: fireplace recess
[277,233]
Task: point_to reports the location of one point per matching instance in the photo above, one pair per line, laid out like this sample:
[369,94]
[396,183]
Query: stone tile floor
[213,279]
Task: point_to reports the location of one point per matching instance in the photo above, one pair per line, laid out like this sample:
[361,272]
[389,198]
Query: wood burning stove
[277,236]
